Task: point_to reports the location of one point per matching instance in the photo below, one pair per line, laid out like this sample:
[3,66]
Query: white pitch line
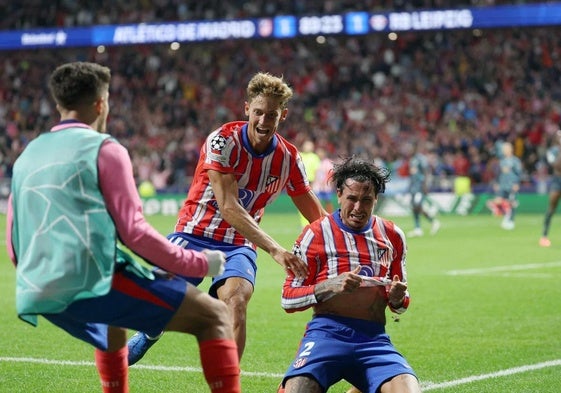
[502,373]
[426,386]
[136,366]
[507,268]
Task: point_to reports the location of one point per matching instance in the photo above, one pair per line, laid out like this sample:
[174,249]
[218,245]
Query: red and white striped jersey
[261,179]
[330,248]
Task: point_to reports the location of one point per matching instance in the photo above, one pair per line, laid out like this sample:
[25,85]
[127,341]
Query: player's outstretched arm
[125,207]
[310,206]
[225,188]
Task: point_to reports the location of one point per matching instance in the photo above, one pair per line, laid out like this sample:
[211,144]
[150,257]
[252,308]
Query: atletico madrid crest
[272,185]
[300,362]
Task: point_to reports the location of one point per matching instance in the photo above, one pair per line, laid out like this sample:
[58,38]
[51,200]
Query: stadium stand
[461,91]
[68,13]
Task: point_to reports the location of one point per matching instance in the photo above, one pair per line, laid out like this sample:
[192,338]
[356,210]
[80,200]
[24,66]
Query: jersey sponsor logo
[245,197]
[366,271]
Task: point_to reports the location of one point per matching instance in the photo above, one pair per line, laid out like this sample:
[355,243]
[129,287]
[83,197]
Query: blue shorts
[335,348]
[133,302]
[240,260]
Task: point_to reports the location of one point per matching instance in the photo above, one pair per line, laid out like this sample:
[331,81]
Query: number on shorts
[307,349]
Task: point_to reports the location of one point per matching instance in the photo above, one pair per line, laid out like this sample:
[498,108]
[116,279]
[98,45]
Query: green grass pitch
[485,317]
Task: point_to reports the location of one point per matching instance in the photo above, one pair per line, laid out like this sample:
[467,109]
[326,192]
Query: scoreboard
[287,26]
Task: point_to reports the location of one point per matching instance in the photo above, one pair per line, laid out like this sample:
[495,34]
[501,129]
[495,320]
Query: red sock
[221,365]
[113,370]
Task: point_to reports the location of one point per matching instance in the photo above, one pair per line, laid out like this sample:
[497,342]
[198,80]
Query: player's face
[357,201]
[265,114]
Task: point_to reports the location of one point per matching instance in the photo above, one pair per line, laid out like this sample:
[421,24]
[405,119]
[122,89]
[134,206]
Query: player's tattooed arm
[344,283]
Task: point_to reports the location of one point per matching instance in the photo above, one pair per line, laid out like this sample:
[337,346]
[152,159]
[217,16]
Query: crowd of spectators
[457,92]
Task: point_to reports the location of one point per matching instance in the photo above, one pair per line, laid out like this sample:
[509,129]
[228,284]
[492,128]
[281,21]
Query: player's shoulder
[316,226]
[390,227]
[385,222]
[111,147]
[284,144]
[228,134]
[228,129]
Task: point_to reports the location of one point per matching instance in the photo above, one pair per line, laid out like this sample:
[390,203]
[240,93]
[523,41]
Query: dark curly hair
[360,170]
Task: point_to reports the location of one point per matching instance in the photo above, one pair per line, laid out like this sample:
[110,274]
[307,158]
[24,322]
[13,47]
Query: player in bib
[73,197]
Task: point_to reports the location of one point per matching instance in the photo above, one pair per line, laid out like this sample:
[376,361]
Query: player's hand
[216,260]
[346,282]
[349,281]
[291,263]
[343,283]
[397,291]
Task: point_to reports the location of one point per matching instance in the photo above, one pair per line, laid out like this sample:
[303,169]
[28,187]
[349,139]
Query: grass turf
[485,317]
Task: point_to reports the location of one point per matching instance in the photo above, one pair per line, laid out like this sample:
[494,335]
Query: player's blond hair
[266,84]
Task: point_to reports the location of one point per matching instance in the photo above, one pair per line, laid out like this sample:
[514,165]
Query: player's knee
[302,384]
[216,320]
[238,299]
[219,314]
[403,383]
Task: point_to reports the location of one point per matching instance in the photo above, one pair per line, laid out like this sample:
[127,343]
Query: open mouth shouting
[262,131]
